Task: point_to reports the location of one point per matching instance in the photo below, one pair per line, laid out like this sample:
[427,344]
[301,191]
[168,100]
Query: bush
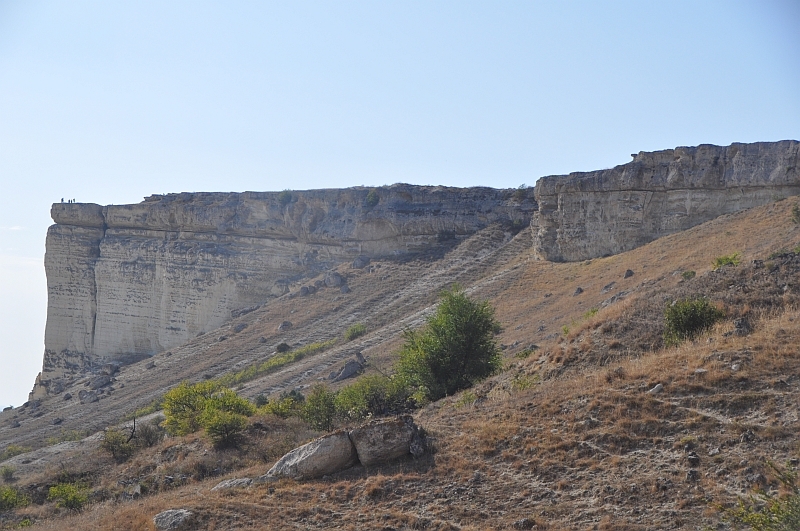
[11,498]
[72,496]
[770,512]
[454,350]
[319,408]
[686,318]
[731,259]
[219,410]
[357,330]
[7,473]
[224,428]
[796,213]
[288,404]
[149,434]
[373,396]
[117,443]
[688,275]
[12,450]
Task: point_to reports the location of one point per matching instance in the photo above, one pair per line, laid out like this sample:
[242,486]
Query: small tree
[319,408]
[454,350]
[184,405]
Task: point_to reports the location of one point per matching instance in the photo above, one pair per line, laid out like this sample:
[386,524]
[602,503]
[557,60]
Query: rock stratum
[606,212]
[126,282]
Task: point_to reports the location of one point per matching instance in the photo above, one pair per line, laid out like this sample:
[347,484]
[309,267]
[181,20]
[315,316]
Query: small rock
[110,369]
[304,291]
[741,327]
[312,290]
[578,291]
[525,523]
[713,451]
[345,289]
[87,397]
[172,519]
[15,424]
[222,338]
[693,458]
[735,367]
[150,365]
[657,389]
[360,358]
[608,287]
[350,369]
[700,372]
[628,273]
[692,475]
[286,325]
[239,327]
[262,339]
[67,396]
[57,421]
[319,283]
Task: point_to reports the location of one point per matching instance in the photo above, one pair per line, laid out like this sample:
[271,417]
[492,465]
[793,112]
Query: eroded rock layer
[128,281]
[600,213]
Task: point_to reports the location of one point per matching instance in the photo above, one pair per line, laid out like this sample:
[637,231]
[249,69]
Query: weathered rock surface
[128,281]
[172,519]
[236,483]
[600,213]
[383,440]
[373,443]
[322,456]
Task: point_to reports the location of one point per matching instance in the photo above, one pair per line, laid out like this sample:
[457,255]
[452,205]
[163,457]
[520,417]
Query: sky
[108,102]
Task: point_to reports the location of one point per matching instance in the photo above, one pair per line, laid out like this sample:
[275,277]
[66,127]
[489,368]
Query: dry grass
[585,446]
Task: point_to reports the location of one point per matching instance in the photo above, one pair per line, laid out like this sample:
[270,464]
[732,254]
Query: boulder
[578,291]
[87,397]
[110,369]
[360,263]
[239,327]
[172,519]
[303,291]
[100,381]
[286,325]
[385,439]
[322,456]
[345,289]
[628,273]
[350,369]
[333,279]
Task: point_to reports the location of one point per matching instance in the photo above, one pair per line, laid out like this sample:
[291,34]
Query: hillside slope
[567,437]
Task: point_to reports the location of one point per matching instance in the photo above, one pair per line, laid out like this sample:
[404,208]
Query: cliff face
[600,213]
[128,281]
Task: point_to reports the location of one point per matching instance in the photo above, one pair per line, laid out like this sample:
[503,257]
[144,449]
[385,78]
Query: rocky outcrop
[599,213]
[128,281]
[376,442]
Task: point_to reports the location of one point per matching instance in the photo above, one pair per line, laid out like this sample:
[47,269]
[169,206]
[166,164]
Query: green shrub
[7,473]
[72,496]
[188,408]
[261,400]
[319,408]
[357,330]
[688,275]
[274,363]
[11,498]
[224,428]
[288,404]
[12,450]
[768,512]
[455,349]
[372,396]
[372,199]
[117,443]
[731,260]
[796,213]
[686,318]
[285,197]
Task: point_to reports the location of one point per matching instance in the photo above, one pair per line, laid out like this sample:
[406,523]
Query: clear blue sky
[107,102]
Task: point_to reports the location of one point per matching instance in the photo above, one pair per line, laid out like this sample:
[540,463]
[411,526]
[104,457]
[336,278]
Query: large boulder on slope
[322,456]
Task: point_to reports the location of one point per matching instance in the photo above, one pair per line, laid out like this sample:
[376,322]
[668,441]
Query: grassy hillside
[568,436]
